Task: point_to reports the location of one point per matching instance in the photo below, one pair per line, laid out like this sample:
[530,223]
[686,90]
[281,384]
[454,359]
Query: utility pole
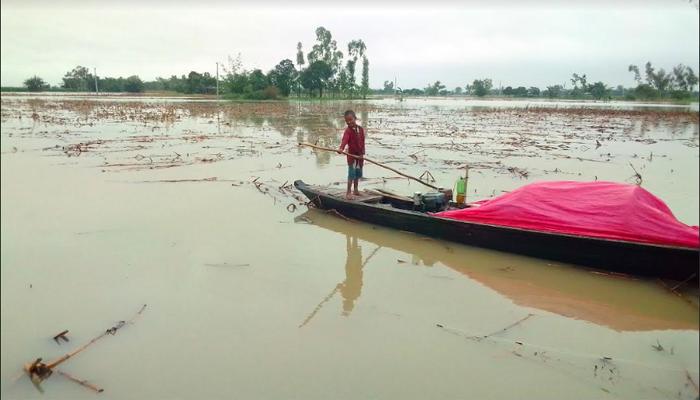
[217,81]
[394,86]
[97,90]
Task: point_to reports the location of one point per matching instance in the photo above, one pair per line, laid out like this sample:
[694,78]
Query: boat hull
[638,259]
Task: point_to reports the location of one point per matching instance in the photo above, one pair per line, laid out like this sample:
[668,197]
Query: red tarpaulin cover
[595,209]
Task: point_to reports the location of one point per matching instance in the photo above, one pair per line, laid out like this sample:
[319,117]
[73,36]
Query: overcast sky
[535,44]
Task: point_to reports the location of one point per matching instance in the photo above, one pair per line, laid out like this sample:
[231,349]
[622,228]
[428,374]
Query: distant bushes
[270,93]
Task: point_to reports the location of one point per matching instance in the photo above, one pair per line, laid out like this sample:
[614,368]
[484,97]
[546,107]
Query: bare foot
[349,197]
[357,193]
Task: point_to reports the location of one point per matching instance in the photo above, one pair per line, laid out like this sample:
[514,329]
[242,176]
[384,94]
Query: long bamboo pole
[370,161]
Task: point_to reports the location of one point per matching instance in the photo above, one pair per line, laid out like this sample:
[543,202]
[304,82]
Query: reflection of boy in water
[351,287]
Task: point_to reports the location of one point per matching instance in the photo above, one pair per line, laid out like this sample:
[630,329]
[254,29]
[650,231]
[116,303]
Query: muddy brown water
[250,297]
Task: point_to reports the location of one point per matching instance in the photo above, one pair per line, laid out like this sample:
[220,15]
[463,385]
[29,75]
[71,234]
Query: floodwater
[187,207]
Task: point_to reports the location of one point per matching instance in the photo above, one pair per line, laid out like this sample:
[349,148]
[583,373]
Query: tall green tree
[350,76]
[79,79]
[133,84]
[365,77]
[35,84]
[679,77]
[691,79]
[637,75]
[661,83]
[554,91]
[660,80]
[482,86]
[684,78]
[238,81]
[388,87]
[343,81]
[324,49]
[258,81]
[646,92]
[521,91]
[176,84]
[663,80]
[283,76]
[112,85]
[577,91]
[649,72]
[300,56]
[163,84]
[356,49]
[200,83]
[337,67]
[577,79]
[300,64]
[599,90]
[315,77]
[434,89]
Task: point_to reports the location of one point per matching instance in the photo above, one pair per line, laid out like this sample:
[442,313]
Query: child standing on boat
[354,139]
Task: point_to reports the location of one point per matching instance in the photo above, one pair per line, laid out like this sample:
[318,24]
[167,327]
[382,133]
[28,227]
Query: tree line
[677,84]
[322,71]
[79,79]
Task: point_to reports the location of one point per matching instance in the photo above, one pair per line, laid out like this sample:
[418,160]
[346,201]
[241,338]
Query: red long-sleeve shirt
[355,140]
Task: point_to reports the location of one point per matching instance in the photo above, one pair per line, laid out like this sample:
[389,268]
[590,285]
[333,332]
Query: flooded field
[188,207]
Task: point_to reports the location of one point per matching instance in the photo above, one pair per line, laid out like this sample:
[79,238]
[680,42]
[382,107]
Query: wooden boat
[625,257]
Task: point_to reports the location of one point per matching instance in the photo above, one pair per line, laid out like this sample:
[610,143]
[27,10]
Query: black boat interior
[420,202]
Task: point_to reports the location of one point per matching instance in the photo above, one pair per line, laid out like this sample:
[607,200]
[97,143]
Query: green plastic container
[461,190]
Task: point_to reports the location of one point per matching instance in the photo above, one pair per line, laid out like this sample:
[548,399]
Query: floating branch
[38,371]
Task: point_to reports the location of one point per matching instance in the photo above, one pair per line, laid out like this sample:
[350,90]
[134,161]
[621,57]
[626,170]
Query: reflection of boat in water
[597,236]
[618,303]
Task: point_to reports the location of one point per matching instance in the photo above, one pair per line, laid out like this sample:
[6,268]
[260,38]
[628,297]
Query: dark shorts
[353,172]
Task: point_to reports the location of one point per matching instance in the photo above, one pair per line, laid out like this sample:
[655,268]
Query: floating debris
[61,335]
[38,371]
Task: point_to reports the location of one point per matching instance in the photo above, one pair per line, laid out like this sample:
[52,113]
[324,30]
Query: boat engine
[429,202]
